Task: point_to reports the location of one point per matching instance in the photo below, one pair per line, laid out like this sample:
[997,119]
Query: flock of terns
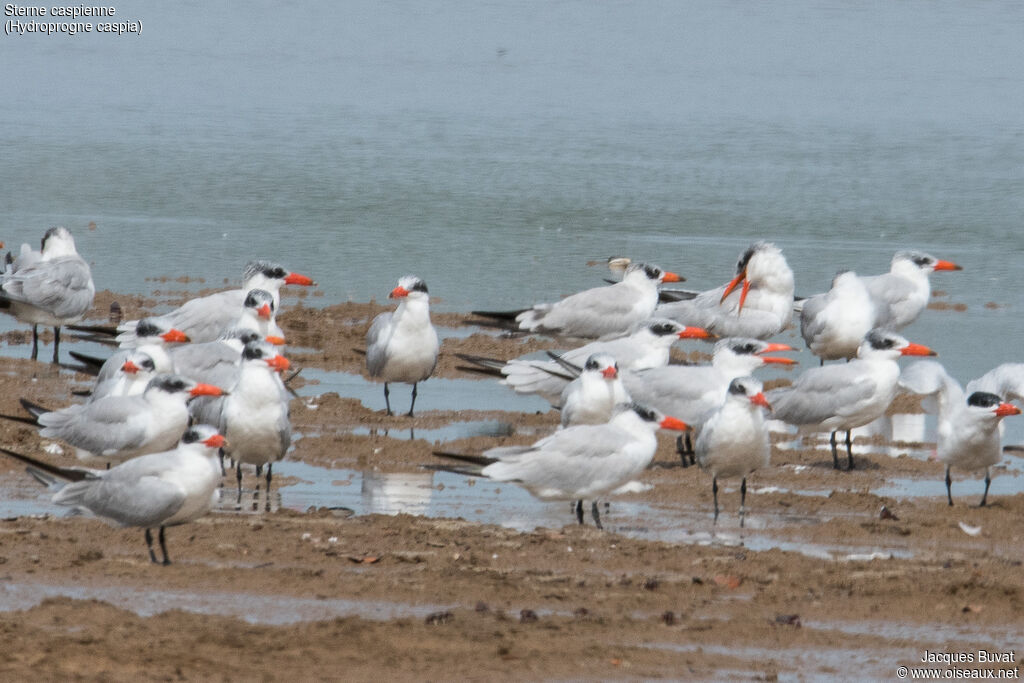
[203,382]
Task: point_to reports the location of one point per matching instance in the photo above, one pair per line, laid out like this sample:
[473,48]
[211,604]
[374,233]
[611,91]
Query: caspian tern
[591,397]
[156,490]
[969,429]
[601,312]
[902,294]
[121,427]
[834,324]
[835,397]
[647,346]
[206,318]
[402,346]
[579,463]
[693,392]
[762,308]
[734,439]
[259,314]
[50,287]
[253,416]
[130,378]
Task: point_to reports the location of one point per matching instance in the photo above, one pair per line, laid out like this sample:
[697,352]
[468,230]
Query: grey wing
[204,319]
[888,291]
[811,324]
[377,344]
[143,502]
[103,426]
[1006,381]
[213,363]
[62,286]
[207,410]
[594,312]
[928,377]
[817,395]
[112,366]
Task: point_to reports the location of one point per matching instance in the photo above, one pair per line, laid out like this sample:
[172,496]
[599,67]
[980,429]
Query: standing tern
[117,428]
[834,324]
[835,397]
[402,346]
[585,462]
[253,416]
[591,397]
[761,308]
[693,392]
[902,294]
[733,441]
[206,318]
[156,490]
[601,312]
[969,429]
[647,346]
[50,287]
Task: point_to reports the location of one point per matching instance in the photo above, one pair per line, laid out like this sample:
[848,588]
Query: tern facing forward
[52,286]
[403,346]
[835,397]
[734,440]
[591,397]
[579,463]
[156,490]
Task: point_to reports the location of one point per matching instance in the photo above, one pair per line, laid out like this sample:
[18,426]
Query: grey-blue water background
[493,148]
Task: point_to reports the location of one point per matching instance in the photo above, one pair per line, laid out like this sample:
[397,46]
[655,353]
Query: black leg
[743,501]
[35,342]
[238,477]
[689,448]
[596,515]
[149,544]
[714,493]
[579,511]
[221,454]
[387,397]
[56,343]
[849,451]
[835,456]
[413,404]
[684,447]
[988,482]
[270,466]
[163,547]
[949,487]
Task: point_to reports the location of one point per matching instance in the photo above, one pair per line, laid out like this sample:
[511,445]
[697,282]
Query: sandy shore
[821,583]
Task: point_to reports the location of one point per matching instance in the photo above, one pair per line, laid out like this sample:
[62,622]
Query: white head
[990,407]
[651,273]
[203,436]
[410,288]
[918,260]
[879,343]
[667,331]
[58,242]
[749,392]
[744,355]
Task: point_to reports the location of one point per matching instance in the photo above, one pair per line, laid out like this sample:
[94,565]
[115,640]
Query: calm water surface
[494,148]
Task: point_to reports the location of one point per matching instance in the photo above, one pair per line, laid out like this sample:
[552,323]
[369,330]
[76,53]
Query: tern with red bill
[52,286]
[601,312]
[206,318]
[647,346]
[591,397]
[402,346]
[969,431]
[903,293]
[254,415]
[693,392]
[757,302]
[117,428]
[842,397]
[733,441]
[152,491]
[585,462]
